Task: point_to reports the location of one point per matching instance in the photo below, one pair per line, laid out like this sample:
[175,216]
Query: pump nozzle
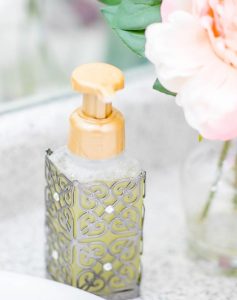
[98,82]
[97,129]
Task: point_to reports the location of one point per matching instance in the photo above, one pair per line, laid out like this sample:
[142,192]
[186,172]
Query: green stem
[214,187]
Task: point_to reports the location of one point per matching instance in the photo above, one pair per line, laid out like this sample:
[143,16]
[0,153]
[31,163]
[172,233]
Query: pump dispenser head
[97,129]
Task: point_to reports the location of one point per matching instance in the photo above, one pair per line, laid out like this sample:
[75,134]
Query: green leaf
[109,13]
[135,40]
[111,2]
[159,87]
[136,16]
[129,20]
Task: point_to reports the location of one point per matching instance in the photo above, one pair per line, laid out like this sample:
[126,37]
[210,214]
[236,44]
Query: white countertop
[168,273]
[160,139]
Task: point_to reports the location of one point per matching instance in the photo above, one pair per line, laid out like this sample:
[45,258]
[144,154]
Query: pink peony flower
[194,50]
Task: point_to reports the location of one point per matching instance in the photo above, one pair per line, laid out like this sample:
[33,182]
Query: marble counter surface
[159,137]
[168,273]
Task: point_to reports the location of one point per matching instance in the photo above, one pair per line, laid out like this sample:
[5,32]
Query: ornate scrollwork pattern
[94,232]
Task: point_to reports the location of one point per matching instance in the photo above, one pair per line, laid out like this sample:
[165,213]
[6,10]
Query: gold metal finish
[94,108]
[96,138]
[97,129]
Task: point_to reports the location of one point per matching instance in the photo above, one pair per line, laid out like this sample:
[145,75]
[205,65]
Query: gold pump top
[98,82]
[97,129]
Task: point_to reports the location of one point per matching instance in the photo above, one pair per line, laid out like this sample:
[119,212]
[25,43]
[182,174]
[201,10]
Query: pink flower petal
[178,48]
[210,103]
[170,6]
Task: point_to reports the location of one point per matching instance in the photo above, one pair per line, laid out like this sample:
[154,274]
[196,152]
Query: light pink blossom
[194,50]
[170,6]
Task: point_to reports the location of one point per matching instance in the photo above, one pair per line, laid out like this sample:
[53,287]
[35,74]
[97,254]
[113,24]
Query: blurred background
[42,41]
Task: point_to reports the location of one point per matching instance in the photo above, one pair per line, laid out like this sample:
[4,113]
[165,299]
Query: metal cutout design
[94,233]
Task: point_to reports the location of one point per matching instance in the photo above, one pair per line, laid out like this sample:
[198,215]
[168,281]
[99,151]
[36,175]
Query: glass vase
[210,194]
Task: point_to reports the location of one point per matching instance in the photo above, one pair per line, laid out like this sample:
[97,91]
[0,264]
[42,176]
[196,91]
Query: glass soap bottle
[94,195]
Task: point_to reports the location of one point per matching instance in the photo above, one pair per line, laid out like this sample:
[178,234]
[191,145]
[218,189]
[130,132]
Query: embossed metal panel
[94,233]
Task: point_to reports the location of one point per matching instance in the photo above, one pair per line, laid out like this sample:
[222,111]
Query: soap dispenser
[94,195]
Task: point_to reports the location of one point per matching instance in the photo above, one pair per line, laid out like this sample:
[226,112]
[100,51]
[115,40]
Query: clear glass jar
[84,170]
[210,194]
